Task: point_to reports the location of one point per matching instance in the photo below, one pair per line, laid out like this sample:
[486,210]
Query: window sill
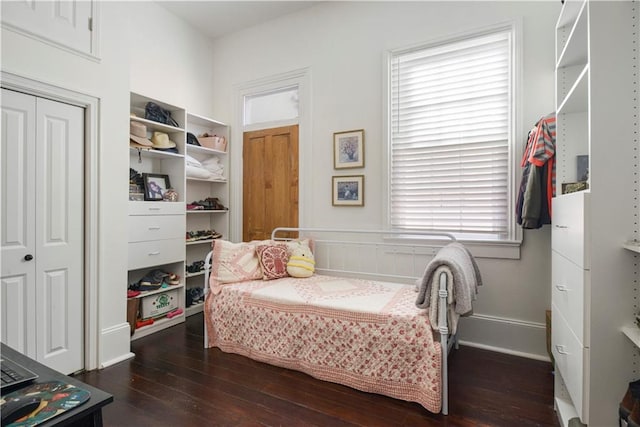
[502,249]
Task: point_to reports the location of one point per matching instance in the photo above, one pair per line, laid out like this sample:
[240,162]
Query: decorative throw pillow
[301,261]
[273,260]
[233,262]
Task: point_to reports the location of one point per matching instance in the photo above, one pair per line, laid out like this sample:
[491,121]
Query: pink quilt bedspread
[363,334]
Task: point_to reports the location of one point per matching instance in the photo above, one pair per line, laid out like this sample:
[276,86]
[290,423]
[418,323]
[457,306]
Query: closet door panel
[60,21]
[18,221]
[18,314]
[60,234]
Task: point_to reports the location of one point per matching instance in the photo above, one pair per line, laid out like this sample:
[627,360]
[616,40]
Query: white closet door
[43,230]
[59,235]
[18,221]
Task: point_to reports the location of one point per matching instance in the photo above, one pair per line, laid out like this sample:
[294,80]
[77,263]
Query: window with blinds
[451,129]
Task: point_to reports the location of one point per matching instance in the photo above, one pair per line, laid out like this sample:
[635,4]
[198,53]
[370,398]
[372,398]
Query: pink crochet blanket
[363,334]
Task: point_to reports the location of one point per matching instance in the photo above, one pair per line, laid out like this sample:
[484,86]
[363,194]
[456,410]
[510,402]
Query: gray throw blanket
[464,271]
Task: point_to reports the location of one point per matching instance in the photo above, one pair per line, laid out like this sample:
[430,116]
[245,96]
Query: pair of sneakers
[194,296]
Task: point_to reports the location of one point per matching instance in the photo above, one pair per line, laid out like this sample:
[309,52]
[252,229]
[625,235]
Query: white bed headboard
[391,255]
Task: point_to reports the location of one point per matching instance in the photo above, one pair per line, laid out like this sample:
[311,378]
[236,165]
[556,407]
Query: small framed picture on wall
[348,149]
[348,190]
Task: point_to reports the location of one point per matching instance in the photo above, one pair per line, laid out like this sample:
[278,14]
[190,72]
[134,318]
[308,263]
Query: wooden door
[43,231]
[270,181]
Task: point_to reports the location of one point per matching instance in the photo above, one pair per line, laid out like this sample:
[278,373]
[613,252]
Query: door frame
[91,149]
[302,79]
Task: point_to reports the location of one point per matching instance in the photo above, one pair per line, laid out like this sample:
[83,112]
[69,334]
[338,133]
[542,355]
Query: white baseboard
[510,336]
[115,345]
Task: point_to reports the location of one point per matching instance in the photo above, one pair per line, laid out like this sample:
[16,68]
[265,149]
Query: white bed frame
[392,256]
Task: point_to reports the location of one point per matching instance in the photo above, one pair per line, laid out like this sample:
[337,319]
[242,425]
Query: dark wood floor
[174,381]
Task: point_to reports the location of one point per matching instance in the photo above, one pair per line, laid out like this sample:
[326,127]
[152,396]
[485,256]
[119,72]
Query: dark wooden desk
[87,414]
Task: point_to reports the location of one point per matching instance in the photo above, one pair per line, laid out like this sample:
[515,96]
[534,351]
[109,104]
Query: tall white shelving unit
[200,189]
[594,272]
[157,229]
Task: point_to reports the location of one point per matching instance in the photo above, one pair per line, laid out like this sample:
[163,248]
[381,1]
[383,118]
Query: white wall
[169,60]
[162,57]
[343,44]
[146,50]
[108,81]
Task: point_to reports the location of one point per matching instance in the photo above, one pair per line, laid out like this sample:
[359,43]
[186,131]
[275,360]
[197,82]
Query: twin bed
[353,322]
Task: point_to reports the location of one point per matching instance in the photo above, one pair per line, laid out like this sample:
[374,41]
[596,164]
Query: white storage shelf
[633,246]
[155,154]
[596,44]
[207,211]
[222,181]
[195,308]
[633,333]
[157,325]
[194,149]
[199,273]
[200,189]
[199,242]
[573,48]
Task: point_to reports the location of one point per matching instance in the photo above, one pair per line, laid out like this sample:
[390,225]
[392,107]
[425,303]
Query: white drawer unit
[570,287]
[156,208]
[156,227]
[155,252]
[570,358]
[594,294]
[570,222]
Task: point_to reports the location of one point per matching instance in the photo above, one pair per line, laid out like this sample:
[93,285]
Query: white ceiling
[217,18]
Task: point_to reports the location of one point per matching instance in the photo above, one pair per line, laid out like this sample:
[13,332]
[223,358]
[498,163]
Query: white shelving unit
[199,189]
[156,228]
[594,285]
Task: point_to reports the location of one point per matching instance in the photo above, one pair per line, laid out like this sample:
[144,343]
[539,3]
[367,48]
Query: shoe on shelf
[629,401]
[194,206]
[172,279]
[154,277]
[213,201]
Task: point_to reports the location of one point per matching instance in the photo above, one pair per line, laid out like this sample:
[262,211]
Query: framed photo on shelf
[348,190]
[155,185]
[348,149]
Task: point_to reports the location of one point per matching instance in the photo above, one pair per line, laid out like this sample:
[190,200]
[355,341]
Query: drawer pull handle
[154,228]
[154,209]
[154,253]
[562,288]
[561,226]
[560,349]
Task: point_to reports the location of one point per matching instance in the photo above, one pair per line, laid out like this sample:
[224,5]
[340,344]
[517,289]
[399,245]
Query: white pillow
[192,161]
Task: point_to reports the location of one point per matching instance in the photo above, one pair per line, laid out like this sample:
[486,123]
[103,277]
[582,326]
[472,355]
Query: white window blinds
[451,135]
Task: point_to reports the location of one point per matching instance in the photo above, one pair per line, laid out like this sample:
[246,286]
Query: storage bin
[158,305]
[214,142]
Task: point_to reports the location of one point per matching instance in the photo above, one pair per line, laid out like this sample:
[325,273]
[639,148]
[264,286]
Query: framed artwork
[348,190]
[155,185]
[348,149]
